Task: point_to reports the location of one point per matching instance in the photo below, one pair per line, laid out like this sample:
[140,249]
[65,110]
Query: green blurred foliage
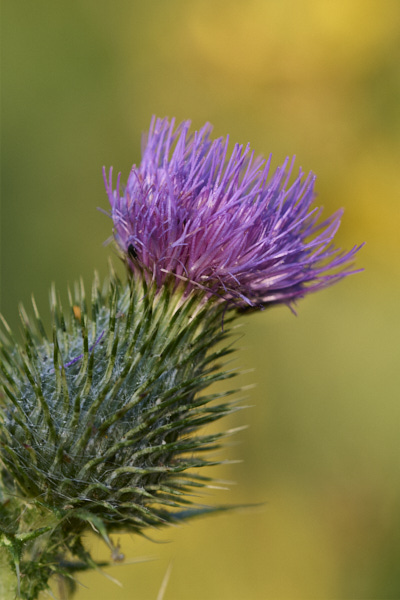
[315,78]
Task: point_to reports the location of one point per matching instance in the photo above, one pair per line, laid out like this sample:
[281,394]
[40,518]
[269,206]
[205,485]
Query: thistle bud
[99,424]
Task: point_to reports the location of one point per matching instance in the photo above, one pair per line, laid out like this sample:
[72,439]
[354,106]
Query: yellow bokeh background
[319,79]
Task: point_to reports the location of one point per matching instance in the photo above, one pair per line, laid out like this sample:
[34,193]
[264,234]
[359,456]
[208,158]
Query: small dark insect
[132,252]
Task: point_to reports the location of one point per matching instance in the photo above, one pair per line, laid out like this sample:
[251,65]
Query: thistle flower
[222,223]
[100,424]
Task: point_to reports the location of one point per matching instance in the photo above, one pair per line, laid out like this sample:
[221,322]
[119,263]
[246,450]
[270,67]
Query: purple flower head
[223,223]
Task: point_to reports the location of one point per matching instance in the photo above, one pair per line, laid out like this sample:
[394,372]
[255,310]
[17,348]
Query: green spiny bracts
[99,426]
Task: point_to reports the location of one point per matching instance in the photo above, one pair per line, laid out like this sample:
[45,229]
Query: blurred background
[316,78]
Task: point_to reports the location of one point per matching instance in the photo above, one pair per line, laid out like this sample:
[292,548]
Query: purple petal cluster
[222,222]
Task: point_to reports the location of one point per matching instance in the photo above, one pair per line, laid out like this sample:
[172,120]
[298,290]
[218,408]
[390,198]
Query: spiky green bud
[99,426]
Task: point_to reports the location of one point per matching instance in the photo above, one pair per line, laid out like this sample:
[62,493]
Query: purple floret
[222,223]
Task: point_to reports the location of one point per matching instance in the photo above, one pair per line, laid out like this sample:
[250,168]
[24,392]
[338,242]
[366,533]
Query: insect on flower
[132,252]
